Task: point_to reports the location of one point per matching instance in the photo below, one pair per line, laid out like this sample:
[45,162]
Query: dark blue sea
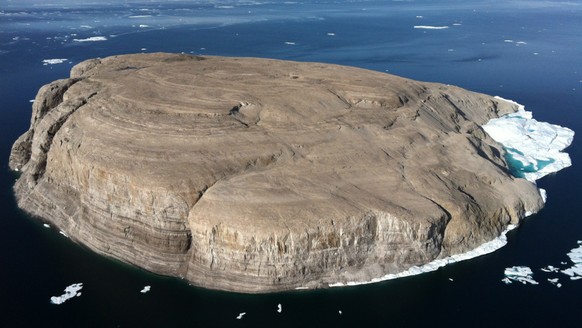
[527,51]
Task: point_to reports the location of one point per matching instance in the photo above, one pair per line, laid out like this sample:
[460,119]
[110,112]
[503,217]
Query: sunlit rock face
[258,175]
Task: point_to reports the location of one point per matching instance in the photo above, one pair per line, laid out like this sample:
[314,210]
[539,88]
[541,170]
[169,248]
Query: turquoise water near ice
[528,51]
[518,168]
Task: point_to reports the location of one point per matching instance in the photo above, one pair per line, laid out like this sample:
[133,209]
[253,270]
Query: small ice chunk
[428,27]
[54,61]
[146,289]
[550,268]
[91,39]
[70,292]
[240,315]
[279,308]
[555,282]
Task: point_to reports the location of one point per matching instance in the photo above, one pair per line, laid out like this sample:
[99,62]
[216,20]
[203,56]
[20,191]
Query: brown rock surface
[257,175]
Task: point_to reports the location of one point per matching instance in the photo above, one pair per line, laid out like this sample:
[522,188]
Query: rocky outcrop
[258,175]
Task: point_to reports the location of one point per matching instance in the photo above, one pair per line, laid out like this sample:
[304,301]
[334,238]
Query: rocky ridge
[257,175]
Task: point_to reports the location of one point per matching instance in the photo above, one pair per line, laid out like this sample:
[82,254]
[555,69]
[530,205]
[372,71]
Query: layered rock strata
[256,175]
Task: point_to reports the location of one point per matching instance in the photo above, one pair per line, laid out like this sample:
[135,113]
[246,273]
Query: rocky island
[256,175]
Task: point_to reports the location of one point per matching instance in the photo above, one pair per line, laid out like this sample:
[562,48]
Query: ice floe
[575,271]
[91,39]
[550,268]
[145,289]
[521,274]
[483,249]
[533,148]
[428,27]
[70,292]
[54,61]
[524,274]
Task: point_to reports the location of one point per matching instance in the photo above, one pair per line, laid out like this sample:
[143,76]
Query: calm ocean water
[528,51]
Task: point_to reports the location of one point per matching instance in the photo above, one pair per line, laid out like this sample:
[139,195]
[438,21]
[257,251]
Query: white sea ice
[521,274]
[91,39]
[54,61]
[428,27]
[575,271]
[146,289]
[534,149]
[550,268]
[70,292]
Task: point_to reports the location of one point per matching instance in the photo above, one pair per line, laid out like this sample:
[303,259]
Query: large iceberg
[533,149]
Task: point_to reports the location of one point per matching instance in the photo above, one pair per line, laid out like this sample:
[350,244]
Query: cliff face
[258,175]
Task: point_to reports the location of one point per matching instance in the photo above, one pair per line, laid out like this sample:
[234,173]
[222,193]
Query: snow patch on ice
[533,148]
[70,292]
[486,248]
